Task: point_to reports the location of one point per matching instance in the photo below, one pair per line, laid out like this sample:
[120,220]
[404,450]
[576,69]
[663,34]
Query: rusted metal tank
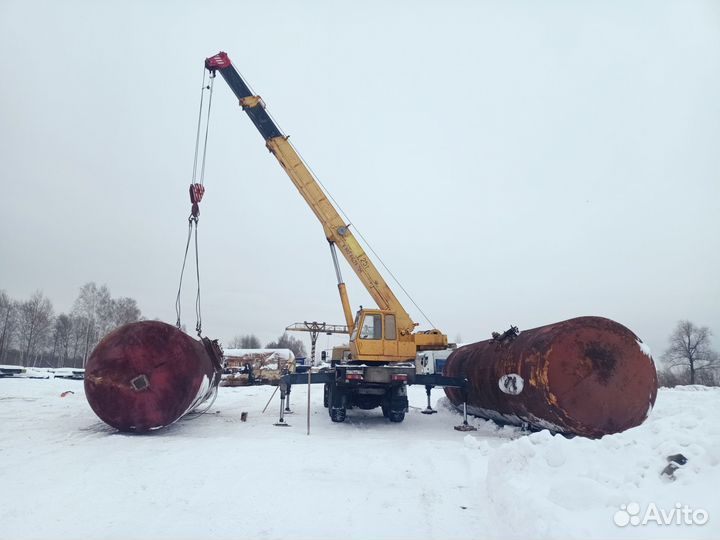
[147,375]
[588,376]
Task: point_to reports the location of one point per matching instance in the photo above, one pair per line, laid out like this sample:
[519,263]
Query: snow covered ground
[65,474]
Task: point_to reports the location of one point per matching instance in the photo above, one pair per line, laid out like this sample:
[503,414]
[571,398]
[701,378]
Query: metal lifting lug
[251,101]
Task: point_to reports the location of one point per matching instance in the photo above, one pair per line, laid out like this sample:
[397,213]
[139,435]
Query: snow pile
[214,476]
[545,486]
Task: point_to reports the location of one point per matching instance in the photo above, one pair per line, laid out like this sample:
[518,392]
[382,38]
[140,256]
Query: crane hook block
[196,194]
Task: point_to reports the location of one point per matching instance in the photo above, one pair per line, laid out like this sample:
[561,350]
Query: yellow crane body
[382,335]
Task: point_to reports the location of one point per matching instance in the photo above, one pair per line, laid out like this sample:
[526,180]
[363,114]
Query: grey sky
[512,162]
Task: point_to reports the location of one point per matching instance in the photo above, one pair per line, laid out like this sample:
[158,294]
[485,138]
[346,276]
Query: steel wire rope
[207,129]
[182,272]
[193,219]
[199,124]
[195,413]
[198,311]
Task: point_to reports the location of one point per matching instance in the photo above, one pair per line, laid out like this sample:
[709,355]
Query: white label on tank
[512,384]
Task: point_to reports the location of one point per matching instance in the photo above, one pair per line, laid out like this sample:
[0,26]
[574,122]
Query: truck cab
[375,338]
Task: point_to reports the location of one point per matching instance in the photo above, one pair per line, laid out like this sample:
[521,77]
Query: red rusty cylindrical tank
[146,375]
[588,376]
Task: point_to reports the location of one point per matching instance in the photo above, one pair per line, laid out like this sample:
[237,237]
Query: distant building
[256,366]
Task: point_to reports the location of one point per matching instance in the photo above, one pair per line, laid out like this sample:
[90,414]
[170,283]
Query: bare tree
[288,342]
[249,341]
[35,322]
[690,351]
[8,322]
[124,311]
[77,337]
[105,313]
[93,305]
[710,377]
[62,334]
[670,379]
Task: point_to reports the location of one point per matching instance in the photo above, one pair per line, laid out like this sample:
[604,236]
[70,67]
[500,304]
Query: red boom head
[219,61]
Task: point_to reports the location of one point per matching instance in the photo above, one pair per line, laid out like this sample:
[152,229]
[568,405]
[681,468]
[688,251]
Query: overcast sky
[512,162]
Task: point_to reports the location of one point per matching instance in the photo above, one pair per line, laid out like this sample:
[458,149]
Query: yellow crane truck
[383,341]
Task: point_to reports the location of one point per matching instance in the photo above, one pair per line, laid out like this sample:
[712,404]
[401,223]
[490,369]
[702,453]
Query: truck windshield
[372,327]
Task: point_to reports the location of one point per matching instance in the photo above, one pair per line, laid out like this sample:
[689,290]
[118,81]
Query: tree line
[285,341]
[32,335]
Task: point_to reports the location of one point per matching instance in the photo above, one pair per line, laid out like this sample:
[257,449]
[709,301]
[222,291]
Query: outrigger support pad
[428,409]
[465,426]
[283,391]
[287,400]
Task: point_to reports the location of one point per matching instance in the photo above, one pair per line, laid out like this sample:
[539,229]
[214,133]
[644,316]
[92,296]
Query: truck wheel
[326,396]
[385,410]
[396,416]
[337,414]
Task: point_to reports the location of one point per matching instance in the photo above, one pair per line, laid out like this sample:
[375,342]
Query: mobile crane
[383,341]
